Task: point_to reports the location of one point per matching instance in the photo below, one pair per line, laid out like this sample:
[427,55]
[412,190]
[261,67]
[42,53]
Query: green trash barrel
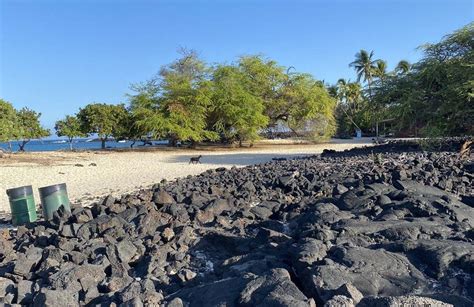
[53,197]
[22,205]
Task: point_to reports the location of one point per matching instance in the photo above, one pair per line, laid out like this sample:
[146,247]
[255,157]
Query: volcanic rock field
[390,225]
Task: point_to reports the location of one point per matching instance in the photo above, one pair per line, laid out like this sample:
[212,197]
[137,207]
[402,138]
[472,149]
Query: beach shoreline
[91,175]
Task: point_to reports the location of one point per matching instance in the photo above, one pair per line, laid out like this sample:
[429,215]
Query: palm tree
[341,90]
[380,70]
[349,94]
[403,67]
[354,95]
[364,66]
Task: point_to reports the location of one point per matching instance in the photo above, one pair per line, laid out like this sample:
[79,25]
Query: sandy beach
[94,174]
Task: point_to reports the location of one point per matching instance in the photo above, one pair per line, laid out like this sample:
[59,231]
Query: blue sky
[58,55]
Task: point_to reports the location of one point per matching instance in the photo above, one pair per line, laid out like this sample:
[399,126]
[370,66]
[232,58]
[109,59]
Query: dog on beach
[195,160]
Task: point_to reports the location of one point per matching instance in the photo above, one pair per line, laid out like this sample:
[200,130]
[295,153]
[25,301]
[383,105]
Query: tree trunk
[133,143]
[173,142]
[103,143]
[22,145]
[10,146]
[376,111]
[70,144]
[350,118]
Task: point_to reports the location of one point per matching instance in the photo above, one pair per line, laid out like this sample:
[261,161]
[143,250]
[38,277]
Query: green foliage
[237,113]
[7,121]
[28,127]
[189,101]
[128,129]
[69,127]
[103,119]
[309,106]
[403,67]
[431,142]
[364,65]
[434,97]
[377,158]
[380,70]
[267,80]
[176,105]
[296,99]
[367,69]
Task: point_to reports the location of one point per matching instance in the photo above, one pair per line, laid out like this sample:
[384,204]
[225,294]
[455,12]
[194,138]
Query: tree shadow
[237,159]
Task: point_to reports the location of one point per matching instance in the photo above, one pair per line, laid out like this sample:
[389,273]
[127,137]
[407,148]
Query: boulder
[401,301]
[273,289]
[28,261]
[373,272]
[340,301]
[47,297]
[7,286]
[161,197]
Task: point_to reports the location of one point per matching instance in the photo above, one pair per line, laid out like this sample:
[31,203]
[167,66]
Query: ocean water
[54,145]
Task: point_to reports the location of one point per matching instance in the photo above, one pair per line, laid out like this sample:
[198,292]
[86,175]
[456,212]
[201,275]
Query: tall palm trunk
[376,109]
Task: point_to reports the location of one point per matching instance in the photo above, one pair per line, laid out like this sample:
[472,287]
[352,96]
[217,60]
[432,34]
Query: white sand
[121,172]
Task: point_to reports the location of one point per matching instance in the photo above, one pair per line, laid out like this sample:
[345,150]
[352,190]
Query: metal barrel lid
[45,191]
[20,192]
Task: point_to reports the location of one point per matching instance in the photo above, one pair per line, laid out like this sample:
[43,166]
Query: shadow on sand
[238,159]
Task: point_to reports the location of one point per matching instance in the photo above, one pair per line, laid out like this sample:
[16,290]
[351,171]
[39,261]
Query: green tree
[367,68]
[403,67]
[187,101]
[176,104]
[349,97]
[128,129]
[380,70]
[434,96]
[7,122]
[266,79]
[28,127]
[237,114]
[103,119]
[309,109]
[296,99]
[365,65]
[446,74]
[69,127]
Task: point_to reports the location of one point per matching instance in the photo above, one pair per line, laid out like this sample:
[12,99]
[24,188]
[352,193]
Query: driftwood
[465,149]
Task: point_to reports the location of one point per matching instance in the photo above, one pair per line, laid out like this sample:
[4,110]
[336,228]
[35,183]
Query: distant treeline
[433,97]
[191,101]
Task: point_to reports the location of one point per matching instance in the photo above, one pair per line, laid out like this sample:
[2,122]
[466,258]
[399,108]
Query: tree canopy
[175,103]
[299,101]
[28,127]
[103,119]
[435,95]
[236,112]
[431,97]
[190,101]
[69,127]
[7,121]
